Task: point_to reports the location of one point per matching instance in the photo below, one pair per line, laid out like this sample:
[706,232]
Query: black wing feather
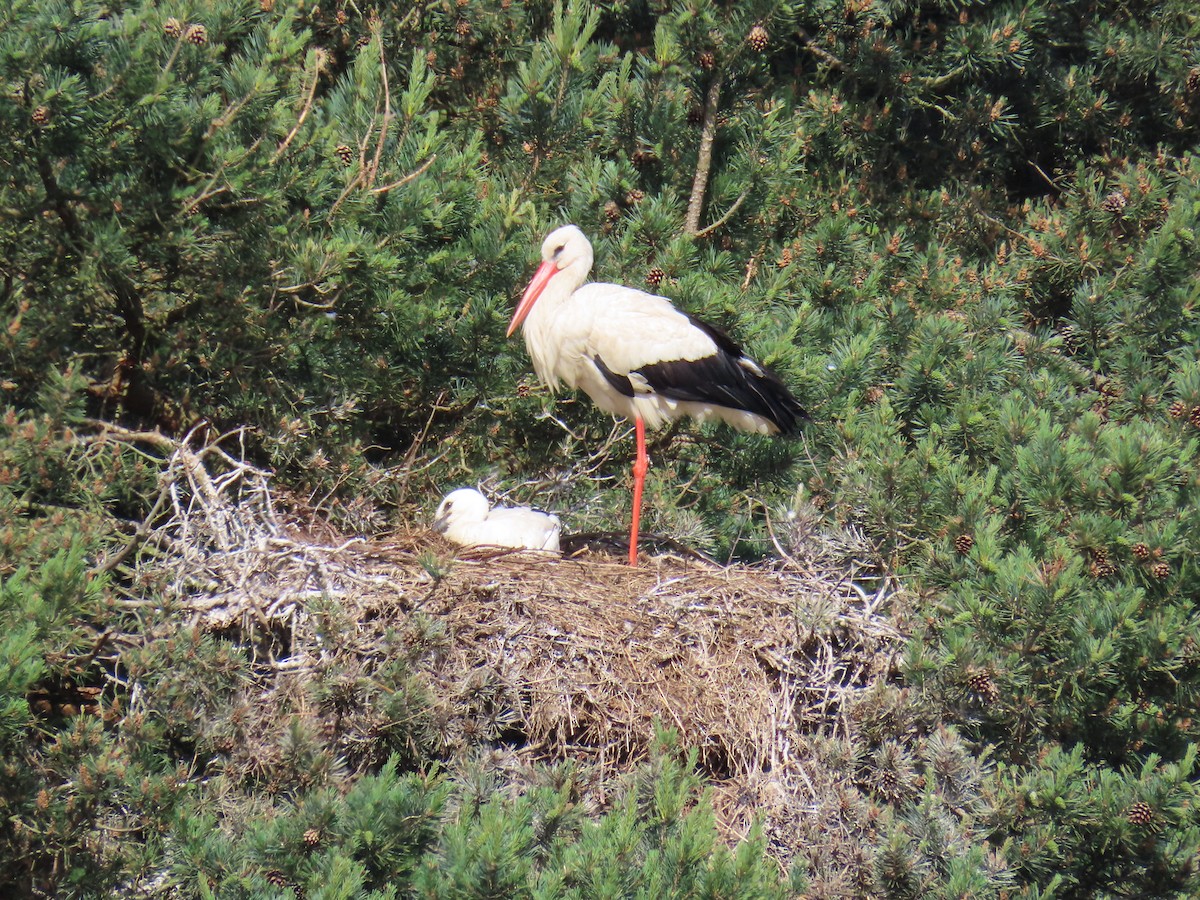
[620,383]
[720,380]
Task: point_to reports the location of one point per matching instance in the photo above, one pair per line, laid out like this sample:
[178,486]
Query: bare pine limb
[708,132]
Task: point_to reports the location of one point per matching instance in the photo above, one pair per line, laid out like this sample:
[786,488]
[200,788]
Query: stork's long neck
[545,329]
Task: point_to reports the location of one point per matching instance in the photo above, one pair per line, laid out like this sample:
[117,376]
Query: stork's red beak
[541,278]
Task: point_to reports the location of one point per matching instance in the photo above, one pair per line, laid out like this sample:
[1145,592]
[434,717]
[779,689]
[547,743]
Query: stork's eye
[558,250]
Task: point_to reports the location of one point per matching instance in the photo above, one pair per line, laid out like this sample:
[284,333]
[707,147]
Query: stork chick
[465,517]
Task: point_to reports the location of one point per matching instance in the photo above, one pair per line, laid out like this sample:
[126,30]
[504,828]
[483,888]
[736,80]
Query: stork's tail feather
[782,408]
[730,379]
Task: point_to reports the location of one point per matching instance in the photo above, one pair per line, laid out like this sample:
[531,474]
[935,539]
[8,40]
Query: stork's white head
[566,258]
[462,505]
[568,247]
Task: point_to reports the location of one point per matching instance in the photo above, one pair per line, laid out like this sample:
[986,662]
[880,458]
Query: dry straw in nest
[578,657]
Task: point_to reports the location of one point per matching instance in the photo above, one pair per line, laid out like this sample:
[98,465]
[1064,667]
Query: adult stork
[639,357]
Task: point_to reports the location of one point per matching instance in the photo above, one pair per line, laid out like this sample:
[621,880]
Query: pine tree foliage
[966,234]
[394,834]
[657,841]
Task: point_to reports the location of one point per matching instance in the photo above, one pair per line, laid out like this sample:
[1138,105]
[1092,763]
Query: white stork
[639,357]
[465,517]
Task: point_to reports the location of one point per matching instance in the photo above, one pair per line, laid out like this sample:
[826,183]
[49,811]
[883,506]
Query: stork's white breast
[626,328]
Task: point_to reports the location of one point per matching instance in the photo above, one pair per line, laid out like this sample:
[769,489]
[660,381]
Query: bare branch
[725,218]
[407,178]
[820,53]
[708,132]
[373,170]
[318,66]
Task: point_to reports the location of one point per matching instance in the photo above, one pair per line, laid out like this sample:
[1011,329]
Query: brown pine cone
[655,276]
[963,543]
[981,683]
[888,783]
[758,38]
[1140,813]
[1114,203]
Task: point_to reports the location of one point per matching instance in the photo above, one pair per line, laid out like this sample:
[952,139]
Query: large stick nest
[551,658]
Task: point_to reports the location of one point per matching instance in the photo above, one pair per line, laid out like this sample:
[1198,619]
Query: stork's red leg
[640,465]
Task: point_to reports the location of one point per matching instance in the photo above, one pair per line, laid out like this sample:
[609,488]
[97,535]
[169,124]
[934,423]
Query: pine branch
[937,107]
[820,53]
[725,218]
[751,269]
[139,536]
[367,171]
[383,125]
[318,65]
[1050,181]
[407,178]
[937,82]
[704,158]
[128,304]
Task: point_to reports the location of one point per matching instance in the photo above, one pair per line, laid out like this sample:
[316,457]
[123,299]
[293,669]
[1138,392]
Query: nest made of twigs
[578,657]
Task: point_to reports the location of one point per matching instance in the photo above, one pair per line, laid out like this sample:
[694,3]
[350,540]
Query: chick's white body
[465,517]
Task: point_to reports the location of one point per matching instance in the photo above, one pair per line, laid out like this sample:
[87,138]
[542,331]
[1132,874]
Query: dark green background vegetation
[966,233]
